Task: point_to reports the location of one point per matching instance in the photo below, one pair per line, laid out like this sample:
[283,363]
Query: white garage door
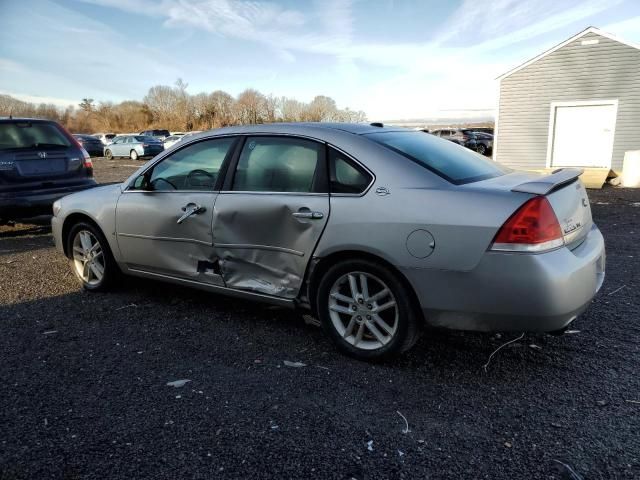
[582,135]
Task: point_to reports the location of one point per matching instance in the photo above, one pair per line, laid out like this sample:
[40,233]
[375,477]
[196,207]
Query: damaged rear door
[271,213]
[163,220]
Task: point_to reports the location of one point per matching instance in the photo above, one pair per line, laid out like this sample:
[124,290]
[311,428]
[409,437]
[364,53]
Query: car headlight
[56,207]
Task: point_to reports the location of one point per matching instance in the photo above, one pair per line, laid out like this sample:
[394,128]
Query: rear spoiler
[549,183]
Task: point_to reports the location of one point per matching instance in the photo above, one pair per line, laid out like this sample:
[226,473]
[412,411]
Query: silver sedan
[377,231]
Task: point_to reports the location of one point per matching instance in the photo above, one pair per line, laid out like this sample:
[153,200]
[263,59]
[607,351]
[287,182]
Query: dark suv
[159,134]
[39,162]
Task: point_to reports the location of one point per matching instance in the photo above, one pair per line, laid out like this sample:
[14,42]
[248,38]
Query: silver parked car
[133,146]
[376,230]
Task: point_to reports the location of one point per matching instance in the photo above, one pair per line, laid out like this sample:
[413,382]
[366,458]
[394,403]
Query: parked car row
[474,139]
[146,143]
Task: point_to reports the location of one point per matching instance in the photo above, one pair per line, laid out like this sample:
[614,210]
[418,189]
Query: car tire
[95,267]
[481,149]
[108,154]
[133,155]
[374,325]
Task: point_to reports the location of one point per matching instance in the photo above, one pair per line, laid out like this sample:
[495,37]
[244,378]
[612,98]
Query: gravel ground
[83,382]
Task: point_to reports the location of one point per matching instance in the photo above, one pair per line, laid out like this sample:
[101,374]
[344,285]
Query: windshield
[31,135]
[145,138]
[452,162]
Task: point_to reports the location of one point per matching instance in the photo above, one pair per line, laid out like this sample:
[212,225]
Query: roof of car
[24,119]
[305,127]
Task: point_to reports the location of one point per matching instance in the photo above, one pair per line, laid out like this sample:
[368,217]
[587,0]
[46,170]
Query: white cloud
[628,30]
[453,71]
[25,97]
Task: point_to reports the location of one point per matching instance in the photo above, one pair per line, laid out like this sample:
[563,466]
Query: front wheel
[108,154]
[481,149]
[133,155]
[366,310]
[90,257]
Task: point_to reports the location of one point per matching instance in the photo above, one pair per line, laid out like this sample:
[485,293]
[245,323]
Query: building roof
[595,30]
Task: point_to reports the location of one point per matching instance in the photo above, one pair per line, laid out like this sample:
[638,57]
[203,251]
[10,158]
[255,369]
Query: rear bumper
[514,292]
[37,202]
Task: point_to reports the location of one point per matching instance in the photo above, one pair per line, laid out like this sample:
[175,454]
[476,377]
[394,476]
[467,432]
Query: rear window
[452,162]
[31,135]
[161,132]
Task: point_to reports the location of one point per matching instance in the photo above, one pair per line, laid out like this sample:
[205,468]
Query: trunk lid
[564,190]
[39,168]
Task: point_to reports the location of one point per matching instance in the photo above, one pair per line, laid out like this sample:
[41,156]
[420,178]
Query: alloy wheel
[88,257]
[363,310]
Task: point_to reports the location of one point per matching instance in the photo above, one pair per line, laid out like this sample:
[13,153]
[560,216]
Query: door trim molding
[232,292]
[249,246]
[168,239]
[576,103]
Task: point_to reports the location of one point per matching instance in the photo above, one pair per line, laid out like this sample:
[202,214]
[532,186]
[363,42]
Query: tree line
[173,108]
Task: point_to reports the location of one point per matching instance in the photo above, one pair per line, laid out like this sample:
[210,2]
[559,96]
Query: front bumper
[513,291]
[37,202]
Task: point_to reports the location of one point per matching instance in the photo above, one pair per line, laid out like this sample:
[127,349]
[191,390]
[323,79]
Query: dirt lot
[83,379]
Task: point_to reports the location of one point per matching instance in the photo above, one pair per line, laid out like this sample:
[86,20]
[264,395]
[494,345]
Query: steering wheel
[160,179]
[199,172]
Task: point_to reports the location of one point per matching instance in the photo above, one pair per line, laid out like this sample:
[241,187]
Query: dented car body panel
[261,241]
[226,230]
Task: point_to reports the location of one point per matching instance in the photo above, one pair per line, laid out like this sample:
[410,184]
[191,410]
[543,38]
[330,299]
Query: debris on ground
[633,401]
[508,444]
[370,445]
[500,348]
[406,429]
[616,290]
[571,332]
[294,364]
[572,474]
[126,306]
[178,383]
[535,347]
[50,332]
[601,403]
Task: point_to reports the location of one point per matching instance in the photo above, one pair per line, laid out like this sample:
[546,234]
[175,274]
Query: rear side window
[452,162]
[31,135]
[345,176]
[277,164]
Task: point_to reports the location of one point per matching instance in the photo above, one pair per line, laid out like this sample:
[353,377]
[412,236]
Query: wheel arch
[71,220]
[321,265]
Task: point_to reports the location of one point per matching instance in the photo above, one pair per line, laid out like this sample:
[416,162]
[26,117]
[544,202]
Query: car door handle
[190,209]
[310,215]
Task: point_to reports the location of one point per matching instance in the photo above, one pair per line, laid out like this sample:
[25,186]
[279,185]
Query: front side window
[277,164]
[452,162]
[345,176]
[195,167]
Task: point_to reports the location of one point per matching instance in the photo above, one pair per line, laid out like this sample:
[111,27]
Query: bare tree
[250,107]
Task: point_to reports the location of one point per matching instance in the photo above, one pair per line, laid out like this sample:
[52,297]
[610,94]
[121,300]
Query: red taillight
[533,228]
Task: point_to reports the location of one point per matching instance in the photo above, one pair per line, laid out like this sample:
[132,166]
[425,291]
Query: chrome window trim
[161,156]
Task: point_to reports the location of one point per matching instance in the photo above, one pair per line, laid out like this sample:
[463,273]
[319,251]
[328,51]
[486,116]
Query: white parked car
[172,140]
[105,138]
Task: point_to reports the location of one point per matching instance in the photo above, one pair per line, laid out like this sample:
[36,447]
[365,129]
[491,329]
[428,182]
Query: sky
[393,59]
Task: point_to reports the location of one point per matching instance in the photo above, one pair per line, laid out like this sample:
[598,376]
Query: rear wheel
[366,310]
[108,154]
[133,155]
[481,149]
[90,257]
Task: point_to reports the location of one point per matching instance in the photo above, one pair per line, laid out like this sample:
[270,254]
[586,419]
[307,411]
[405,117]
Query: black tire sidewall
[110,268]
[108,154]
[407,319]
